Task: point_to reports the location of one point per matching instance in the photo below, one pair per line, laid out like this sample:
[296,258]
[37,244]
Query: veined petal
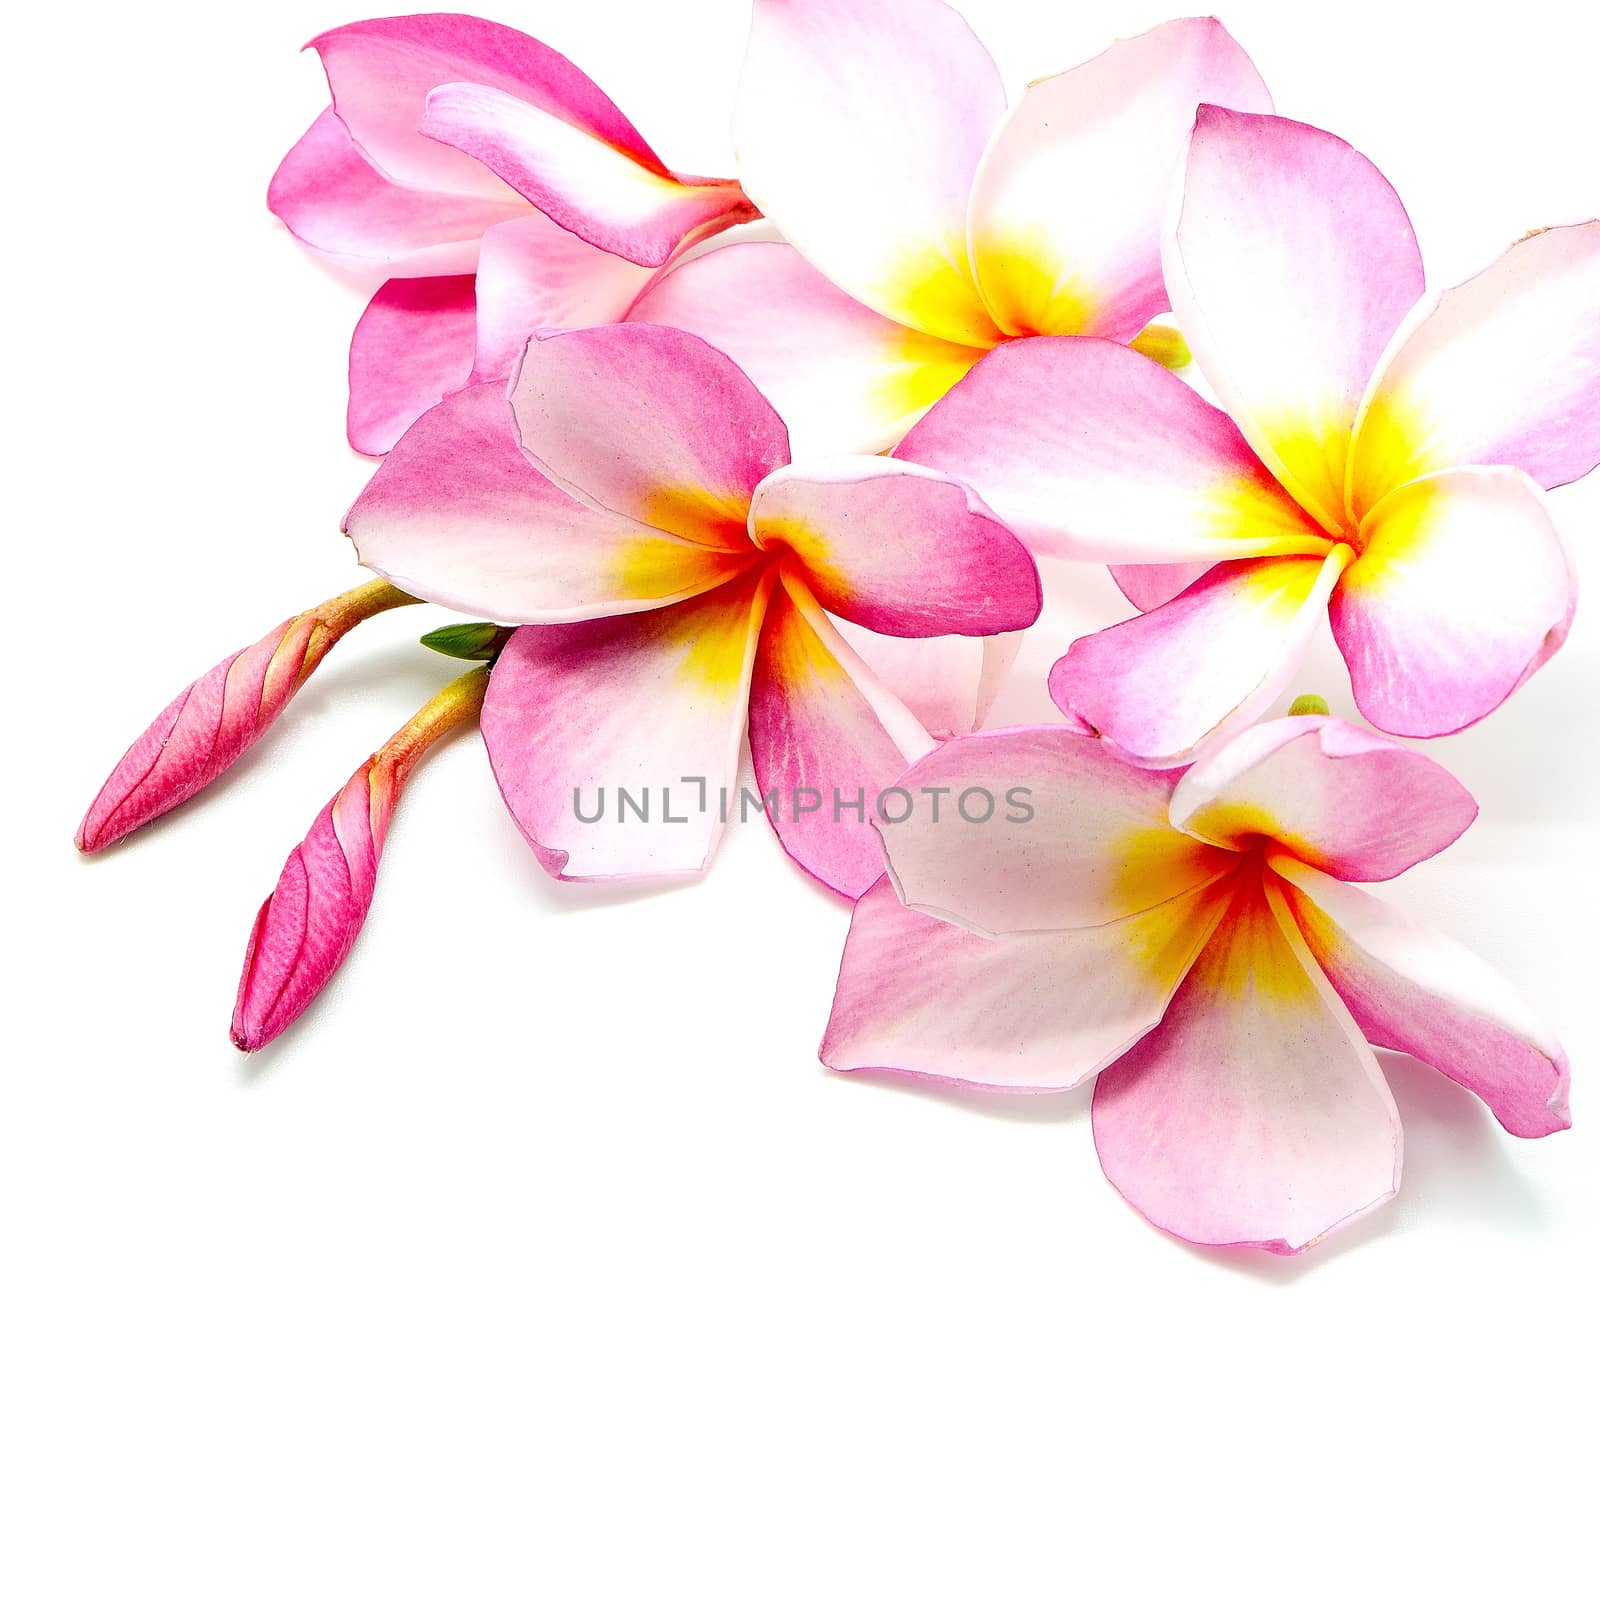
[1255,1113]
[1462,590]
[1212,659]
[1353,803]
[1502,370]
[412,347]
[1412,989]
[380,72]
[650,706]
[650,423]
[1034,1011]
[825,738]
[1074,837]
[859,127]
[1067,207]
[1290,265]
[334,201]
[1085,448]
[604,195]
[898,548]
[843,377]
[457,514]
[533,275]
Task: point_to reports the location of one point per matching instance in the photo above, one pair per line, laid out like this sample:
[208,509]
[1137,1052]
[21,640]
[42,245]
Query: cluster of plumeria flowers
[691,490]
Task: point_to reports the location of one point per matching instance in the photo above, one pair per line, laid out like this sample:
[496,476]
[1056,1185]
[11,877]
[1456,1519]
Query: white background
[542,1257]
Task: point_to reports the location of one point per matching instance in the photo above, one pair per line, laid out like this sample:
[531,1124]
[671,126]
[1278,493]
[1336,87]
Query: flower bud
[310,921]
[219,716]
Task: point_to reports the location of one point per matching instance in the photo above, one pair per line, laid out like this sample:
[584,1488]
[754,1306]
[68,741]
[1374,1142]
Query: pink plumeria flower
[221,715]
[456,146]
[1382,463]
[1198,942]
[925,223]
[308,924]
[643,510]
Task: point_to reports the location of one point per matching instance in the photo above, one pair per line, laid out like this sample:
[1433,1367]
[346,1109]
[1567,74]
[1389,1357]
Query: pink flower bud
[219,716]
[310,921]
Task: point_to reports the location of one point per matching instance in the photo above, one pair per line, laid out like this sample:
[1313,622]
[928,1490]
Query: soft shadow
[1008,1105]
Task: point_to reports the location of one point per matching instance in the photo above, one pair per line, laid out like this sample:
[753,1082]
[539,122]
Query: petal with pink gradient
[1503,370]
[898,548]
[534,275]
[1087,449]
[1032,1011]
[650,423]
[1210,660]
[1462,590]
[825,738]
[381,70]
[859,127]
[1255,1113]
[605,196]
[1077,837]
[1290,264]
[944,682]
[334,201]
[1155,583]
[1067,207]
[412,347]
[843,377]
[1353,803]
[456,514]
[1412,989]
[308,924]
[649,704]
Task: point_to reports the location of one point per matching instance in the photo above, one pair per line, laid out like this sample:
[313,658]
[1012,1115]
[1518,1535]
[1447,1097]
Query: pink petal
[1290,265]
[533,275]
[1462,590]
[1069,200]
[1502,370]
[1075,838]
[308,924]
[335,201]
[859,128]
[412,347]
[1353,803]
[1410,988]
[844,378]
[607,197]
[1255,1113]
[825,738]
[897,548]
[456,514]
[651,704]
[381,71]
[1087,449]
[1156,583]
[1208,661]
[945,682]
[650,423]
[1031,1011]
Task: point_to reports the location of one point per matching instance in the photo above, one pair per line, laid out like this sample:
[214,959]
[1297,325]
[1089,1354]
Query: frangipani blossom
[636,501]
[1198,941]
[1381,456]
[308,924]
[220,715]
[925,223]
[456,146]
